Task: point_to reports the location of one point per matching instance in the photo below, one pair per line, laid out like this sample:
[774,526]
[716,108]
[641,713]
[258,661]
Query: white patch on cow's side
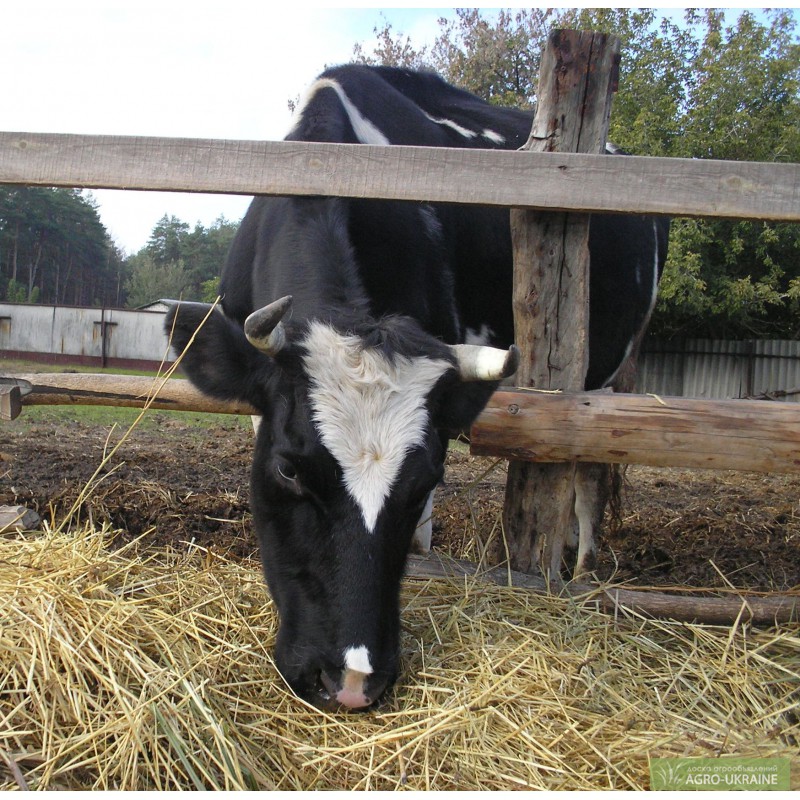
[628,349]
[493,136]
[357,658]
[654,295]
[365,131]
[369,412]
[449,123]
[483,337]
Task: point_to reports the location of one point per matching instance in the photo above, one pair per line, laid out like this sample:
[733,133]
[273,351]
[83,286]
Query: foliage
[151,281]
[54,249]
[210,290]
[391,51]
[497,58]
[698,88]
[191,260]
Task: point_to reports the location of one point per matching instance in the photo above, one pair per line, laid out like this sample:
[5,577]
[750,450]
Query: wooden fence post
[551,285]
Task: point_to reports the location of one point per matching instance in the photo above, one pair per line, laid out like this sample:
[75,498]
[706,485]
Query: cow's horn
[481,363]
[264,329]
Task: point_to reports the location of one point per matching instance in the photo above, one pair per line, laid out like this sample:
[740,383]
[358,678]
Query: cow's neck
[314,262]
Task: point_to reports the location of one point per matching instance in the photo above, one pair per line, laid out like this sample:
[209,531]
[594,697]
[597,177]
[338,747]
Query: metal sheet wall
[719,369]
[86,335]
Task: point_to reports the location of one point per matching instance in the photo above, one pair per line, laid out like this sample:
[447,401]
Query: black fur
[405,278]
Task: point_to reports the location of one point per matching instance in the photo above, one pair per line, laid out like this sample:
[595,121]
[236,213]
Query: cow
[366,332]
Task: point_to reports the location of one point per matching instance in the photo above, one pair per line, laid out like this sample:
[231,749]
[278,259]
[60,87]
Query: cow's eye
[287,477]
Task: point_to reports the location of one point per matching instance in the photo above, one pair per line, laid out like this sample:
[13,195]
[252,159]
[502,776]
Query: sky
[222,70]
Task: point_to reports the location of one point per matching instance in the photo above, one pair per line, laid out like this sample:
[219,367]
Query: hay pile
[150,670]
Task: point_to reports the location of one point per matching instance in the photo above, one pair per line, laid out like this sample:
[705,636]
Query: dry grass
[139,669]
[136,668]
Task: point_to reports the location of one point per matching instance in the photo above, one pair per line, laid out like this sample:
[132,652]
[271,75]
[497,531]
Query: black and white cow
[358,329]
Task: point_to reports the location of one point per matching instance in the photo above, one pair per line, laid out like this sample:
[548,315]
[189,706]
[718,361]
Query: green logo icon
[722,774]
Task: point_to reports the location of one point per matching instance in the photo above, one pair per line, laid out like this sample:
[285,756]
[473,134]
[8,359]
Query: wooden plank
[748,435]
[10,402]
[18,518]
[730,610]
[132,391]
[557,181]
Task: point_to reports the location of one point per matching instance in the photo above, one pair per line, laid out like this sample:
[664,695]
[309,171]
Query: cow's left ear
[461,403]
[219,360]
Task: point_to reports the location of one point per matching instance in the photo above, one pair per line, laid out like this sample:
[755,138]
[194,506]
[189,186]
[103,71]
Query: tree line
[695,87]
[54,249]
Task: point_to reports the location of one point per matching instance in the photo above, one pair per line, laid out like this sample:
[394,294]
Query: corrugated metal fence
[101,337]
[704,368]
[721,369]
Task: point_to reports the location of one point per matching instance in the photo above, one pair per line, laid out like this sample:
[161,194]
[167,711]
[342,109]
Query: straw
[139,668]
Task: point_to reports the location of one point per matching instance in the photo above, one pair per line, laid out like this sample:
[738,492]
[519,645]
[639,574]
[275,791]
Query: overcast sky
[223,71]
[174,68]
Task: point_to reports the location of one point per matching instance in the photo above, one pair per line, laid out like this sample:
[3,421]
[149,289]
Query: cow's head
[352,442]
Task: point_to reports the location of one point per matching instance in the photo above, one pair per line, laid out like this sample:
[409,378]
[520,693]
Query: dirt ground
[179,483]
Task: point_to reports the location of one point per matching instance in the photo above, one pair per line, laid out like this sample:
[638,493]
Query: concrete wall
[135,339]
[89,336]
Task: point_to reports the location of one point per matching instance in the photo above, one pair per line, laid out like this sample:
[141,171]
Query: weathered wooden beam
[748,435]
[132,391]
[640,429]
[726,610]
[10,401]
[18,518]
[551,285]
[556,181]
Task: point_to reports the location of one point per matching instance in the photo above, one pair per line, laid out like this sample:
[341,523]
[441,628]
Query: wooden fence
[546,181]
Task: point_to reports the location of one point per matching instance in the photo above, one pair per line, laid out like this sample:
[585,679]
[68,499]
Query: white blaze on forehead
[357,658]
[369,412]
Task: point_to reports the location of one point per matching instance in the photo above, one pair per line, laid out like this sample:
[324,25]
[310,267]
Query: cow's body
[358,385]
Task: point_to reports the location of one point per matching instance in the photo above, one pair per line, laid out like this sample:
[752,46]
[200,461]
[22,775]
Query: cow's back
[447,265]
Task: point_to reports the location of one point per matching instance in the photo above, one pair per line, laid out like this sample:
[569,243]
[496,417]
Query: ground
[178,482]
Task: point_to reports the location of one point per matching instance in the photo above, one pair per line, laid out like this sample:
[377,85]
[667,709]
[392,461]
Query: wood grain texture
[551,285]
[729,610]
[131,391]
[556,181]
[748,435]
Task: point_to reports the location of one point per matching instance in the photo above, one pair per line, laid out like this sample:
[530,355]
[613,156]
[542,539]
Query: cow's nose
[350,690]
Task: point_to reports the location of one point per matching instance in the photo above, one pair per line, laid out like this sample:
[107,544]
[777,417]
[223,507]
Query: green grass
[106,416]
[15,366]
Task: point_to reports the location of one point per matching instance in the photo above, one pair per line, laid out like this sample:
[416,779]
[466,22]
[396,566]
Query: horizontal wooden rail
[748,435]
[132,391]
[767,609]
[554,181]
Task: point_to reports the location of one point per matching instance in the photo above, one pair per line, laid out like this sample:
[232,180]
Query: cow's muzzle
[351,689]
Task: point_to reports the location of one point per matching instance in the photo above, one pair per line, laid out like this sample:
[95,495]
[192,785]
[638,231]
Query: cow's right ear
[219,360]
